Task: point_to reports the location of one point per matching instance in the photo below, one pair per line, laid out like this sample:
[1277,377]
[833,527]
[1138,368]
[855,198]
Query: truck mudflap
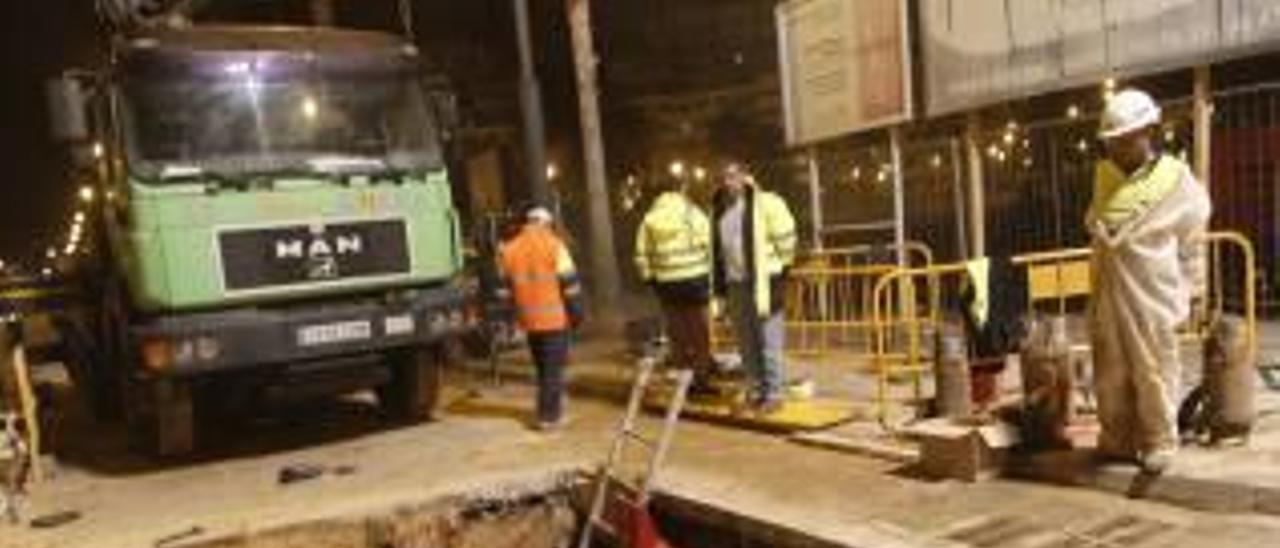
[219,341]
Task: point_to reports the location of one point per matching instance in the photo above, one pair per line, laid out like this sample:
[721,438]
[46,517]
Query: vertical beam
[977,192]
[958,198]
[899,196]
[815,198]
[535,147]
[1203,121]
[604,260]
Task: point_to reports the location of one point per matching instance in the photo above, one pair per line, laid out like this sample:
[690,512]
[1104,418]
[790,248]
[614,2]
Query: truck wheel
[162,416]
[111,358]
[417,377]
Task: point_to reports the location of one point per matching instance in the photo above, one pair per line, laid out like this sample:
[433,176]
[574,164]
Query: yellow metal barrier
[912,360]
[828,301]
[1061,275]
[827,305]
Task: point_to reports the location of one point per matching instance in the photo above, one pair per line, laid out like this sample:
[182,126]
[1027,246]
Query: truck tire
[417,378]
[161,416]
[111,356]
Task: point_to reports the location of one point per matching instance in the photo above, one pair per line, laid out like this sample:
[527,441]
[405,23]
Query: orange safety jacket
[540,274]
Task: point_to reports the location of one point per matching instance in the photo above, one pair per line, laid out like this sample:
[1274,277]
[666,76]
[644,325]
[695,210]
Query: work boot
[551,425]
[767,404]
[1157,462]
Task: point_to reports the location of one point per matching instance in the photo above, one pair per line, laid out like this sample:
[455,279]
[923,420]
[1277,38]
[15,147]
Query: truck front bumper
[197,343]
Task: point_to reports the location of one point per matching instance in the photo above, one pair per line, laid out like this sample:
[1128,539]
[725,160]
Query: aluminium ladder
[628,433]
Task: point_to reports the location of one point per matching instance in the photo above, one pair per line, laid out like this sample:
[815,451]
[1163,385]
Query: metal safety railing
[899,328]
[1059,276]
[828,301]
[829,297]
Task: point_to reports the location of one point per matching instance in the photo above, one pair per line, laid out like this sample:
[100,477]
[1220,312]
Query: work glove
[576,311]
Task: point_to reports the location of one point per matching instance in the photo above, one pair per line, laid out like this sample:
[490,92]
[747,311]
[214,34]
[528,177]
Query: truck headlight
[157,354]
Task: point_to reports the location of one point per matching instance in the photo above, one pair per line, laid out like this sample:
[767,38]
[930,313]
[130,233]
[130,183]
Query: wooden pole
[535,147]
[605,283]
[815,197]
[1203,120]
[977,193]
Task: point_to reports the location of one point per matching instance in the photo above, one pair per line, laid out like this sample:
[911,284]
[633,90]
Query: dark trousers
[689,335]
[550,351]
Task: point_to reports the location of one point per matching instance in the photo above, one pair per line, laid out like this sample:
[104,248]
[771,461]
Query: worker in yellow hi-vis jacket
[673,255]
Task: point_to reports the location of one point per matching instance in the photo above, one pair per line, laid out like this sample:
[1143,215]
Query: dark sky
[40,38]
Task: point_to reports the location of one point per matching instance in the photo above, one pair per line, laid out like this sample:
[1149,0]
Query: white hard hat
[539,214]
[1127,111]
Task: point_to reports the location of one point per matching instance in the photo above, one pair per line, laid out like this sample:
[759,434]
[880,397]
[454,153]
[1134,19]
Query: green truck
[273,218]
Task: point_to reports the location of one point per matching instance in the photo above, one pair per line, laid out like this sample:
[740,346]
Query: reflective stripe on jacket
[770,231]
[673,242]
[540,273]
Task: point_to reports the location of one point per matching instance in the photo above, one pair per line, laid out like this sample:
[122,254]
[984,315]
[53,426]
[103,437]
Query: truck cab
[274,218]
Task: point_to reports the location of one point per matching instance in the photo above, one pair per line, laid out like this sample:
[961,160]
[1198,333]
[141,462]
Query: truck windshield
[240,123]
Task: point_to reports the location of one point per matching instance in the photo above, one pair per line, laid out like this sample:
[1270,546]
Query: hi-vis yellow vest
[1119,199]
[673,242]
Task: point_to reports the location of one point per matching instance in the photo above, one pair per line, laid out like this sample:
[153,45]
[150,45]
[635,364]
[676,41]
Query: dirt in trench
[535,522]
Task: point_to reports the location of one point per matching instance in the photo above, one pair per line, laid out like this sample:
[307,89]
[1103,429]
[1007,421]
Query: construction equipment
[276,214]
[1223,405]
[620,508]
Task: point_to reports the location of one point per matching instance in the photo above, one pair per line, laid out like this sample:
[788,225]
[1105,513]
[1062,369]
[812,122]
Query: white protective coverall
[1147,267]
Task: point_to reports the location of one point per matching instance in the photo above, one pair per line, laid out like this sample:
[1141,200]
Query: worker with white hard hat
[541,281]
[1146,219]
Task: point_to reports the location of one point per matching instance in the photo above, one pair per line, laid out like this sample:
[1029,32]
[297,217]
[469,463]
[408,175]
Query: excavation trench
[547,513]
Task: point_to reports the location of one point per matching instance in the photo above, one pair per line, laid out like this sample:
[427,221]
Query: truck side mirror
[68,116]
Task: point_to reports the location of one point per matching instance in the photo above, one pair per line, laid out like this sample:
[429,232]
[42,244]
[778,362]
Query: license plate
[333,333]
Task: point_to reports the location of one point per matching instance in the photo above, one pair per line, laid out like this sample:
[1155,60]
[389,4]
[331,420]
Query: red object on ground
[984,378]
[635,525]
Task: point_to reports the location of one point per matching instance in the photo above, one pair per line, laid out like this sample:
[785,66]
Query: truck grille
[256,258]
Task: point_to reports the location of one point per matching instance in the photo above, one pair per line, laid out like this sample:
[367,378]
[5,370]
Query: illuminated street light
[86,194]
[99,151]
[79,217]
[552,172]
[677,169]
[1073,112]
[310,108]
[699,173]
[51,253]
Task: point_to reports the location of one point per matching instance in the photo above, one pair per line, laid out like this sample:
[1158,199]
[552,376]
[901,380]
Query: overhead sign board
[845,66]
[980,52]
